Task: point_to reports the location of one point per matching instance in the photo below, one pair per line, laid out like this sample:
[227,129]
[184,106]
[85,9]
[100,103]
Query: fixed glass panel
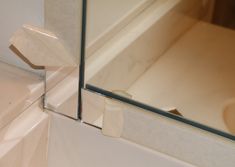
[41,39]
[65,19]
[173,57]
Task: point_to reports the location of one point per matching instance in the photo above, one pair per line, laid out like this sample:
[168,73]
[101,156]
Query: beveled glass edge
[82,58]
[158,111]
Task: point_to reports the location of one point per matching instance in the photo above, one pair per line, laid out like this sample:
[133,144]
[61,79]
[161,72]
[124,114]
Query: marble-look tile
[75,144]
[18,90]
[23,142]
[169,136]
[130,52]
[41,47]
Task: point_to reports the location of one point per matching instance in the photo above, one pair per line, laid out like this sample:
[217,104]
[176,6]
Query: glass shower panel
[65,19]
[44,37]
[170,56]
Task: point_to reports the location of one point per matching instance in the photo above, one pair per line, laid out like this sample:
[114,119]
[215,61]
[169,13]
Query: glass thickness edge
[158,111]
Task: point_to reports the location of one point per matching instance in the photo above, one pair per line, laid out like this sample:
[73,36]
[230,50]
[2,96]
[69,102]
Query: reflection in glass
[172,55]
[44,37]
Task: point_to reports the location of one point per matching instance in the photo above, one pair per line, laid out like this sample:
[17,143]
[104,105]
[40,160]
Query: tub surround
[156,54]
[131,47]
[24,141]
[56,45]
[164,133]
[104,65]
[89,148]
[68,87]
[159,133]
[19,89]
[64,95]
[196,75]
[161,141]
[23,124]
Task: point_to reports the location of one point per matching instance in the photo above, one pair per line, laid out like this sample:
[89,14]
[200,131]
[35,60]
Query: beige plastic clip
[41,47]
[113,118]
[58,43]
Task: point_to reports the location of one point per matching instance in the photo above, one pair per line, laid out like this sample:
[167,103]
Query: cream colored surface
[19,89]
[105,18]
[64,94]
[130,51]
[58,43]
[171,137]
[23,142]
[13,14]
[112,119]
[68,87]
[92,102]
[196,75]
[176,139]
[103,67]
[73,144]
[229,115]
[64,19]
[41,47]
[55,75]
